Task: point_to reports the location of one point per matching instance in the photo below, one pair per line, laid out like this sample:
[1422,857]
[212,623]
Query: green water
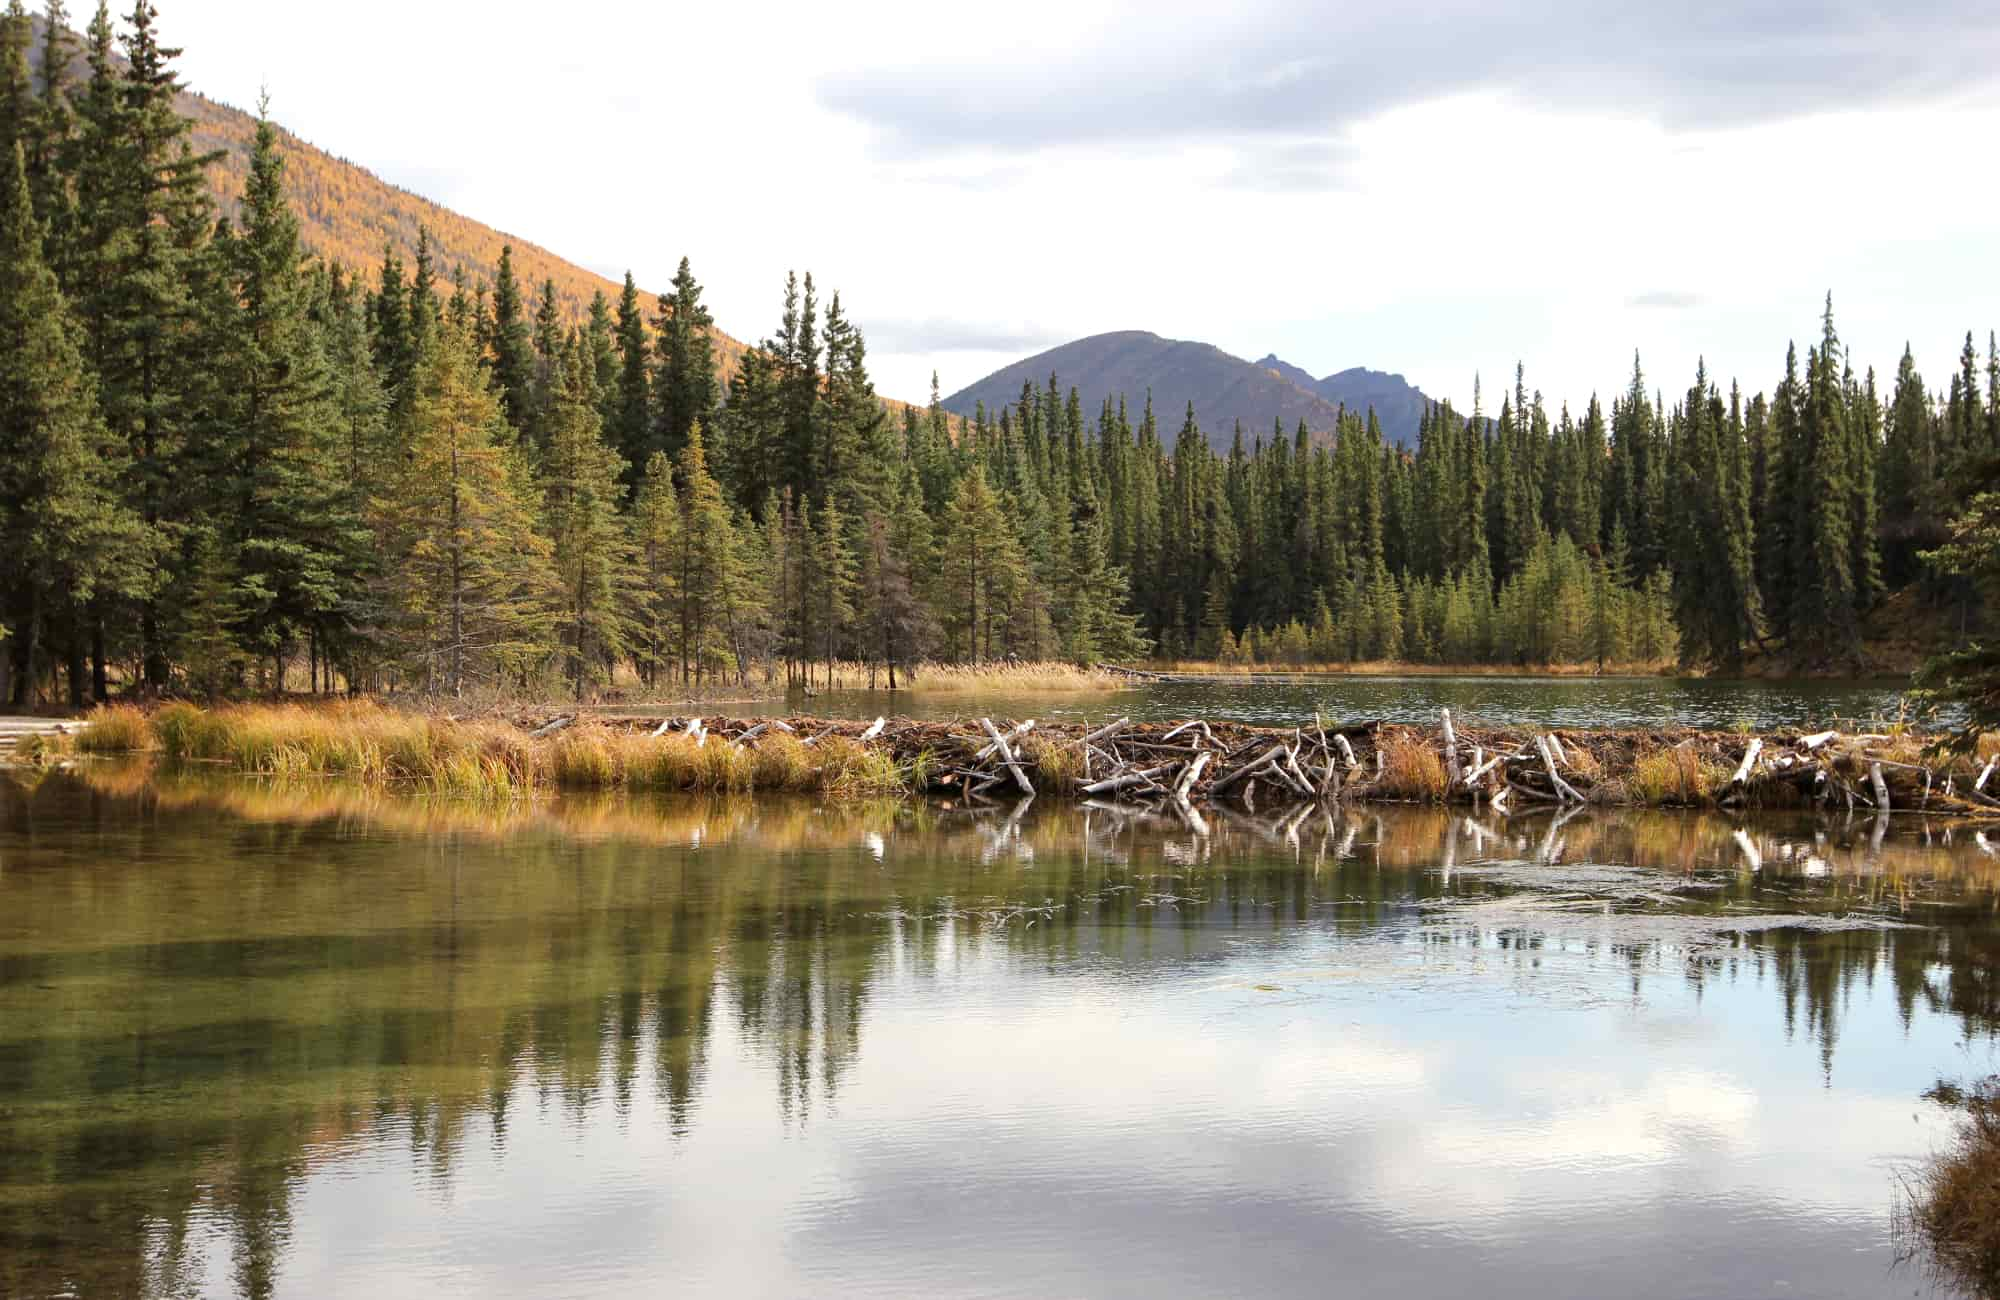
[313,1042]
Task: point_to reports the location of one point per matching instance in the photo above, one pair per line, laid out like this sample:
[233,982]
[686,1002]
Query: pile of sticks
[1180,766]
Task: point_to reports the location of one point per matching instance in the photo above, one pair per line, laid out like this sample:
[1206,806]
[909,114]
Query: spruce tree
[656,530]
[685,386]
[705,566]
[65,534]
[465,573]
[142,217]
[590,544]
[291,530]
[630,429]
[511,346]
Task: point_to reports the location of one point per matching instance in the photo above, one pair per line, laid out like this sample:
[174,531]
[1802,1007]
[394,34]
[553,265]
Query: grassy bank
[1954,1209]
[1506,769]
[434,754]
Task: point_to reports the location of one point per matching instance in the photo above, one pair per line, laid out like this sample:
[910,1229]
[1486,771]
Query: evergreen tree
[66,535]
[291,534]
[511,346]
[630,428]
[465,573]
[705,566]
[685,389]
[591,547]
[656,530]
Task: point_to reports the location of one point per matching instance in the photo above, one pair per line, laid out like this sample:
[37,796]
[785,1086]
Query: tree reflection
[209,986]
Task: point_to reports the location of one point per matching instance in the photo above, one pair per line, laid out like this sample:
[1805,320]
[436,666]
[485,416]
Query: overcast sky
[1438,189]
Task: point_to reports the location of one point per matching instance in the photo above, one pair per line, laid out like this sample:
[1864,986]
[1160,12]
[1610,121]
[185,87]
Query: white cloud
[1335,219]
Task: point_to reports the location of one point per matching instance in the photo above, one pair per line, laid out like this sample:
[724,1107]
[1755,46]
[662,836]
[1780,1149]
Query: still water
[1494,701]
[314,1042]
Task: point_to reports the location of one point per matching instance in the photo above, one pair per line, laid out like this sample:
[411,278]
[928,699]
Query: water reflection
[259,1040]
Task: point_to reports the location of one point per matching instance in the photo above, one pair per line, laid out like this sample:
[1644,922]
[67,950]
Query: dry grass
[1955,1200]
[1054,764]
[45,750]
[938,679]
[1676,775]
[494,760]
[1413,770]
[116,729]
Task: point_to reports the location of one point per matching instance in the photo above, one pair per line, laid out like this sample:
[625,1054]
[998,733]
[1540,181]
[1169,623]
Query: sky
[1440,189]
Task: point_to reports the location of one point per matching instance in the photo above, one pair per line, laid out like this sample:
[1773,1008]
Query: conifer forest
[226,465]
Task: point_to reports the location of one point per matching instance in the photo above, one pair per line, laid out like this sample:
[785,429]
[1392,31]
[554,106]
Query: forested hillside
[350,215]
[224,460]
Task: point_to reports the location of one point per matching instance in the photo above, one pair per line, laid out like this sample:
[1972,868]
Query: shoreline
[1179,767]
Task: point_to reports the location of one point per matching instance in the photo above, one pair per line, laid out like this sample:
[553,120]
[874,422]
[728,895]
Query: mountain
[348,214]
[1133,363]
[1397,403]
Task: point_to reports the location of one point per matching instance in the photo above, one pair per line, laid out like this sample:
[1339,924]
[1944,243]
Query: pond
[265,1041]
[1495,701]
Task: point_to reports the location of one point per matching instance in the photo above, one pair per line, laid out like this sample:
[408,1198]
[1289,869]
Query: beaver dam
[1176,767]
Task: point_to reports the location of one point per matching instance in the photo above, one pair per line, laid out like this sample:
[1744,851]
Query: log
[553,727]
[1128,781]
[1816,740]
[874,729]
[1346,752]
[1007,756]
[1246,771]
[1557,746]
[1020,730]
[666,725]
[747,736]
[1286,769]
[1103,734]
[1749,762]
[1451,751]
[1563,788]
[1979,786]
[1881,787]
[1191,776]
[1484,768]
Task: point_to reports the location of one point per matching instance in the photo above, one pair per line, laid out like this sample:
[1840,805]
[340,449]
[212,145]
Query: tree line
[221,458]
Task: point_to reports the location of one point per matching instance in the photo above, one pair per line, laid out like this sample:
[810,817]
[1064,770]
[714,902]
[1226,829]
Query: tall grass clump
[1053,764]
[583,758]
[942,678]
[851,770]
[116,729]
[1955,1199]
[191,734]
[45,750]
[1676,775]
[1413,770]
[784,762]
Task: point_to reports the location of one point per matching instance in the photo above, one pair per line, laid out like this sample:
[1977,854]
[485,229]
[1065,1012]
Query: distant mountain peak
[1224,390]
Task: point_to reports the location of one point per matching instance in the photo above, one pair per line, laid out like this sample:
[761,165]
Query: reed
[1955,1199]
[1054,763]
[1413,769]
[850,770]
[1676,775]
[940,679]
[45,750]
[116,729]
